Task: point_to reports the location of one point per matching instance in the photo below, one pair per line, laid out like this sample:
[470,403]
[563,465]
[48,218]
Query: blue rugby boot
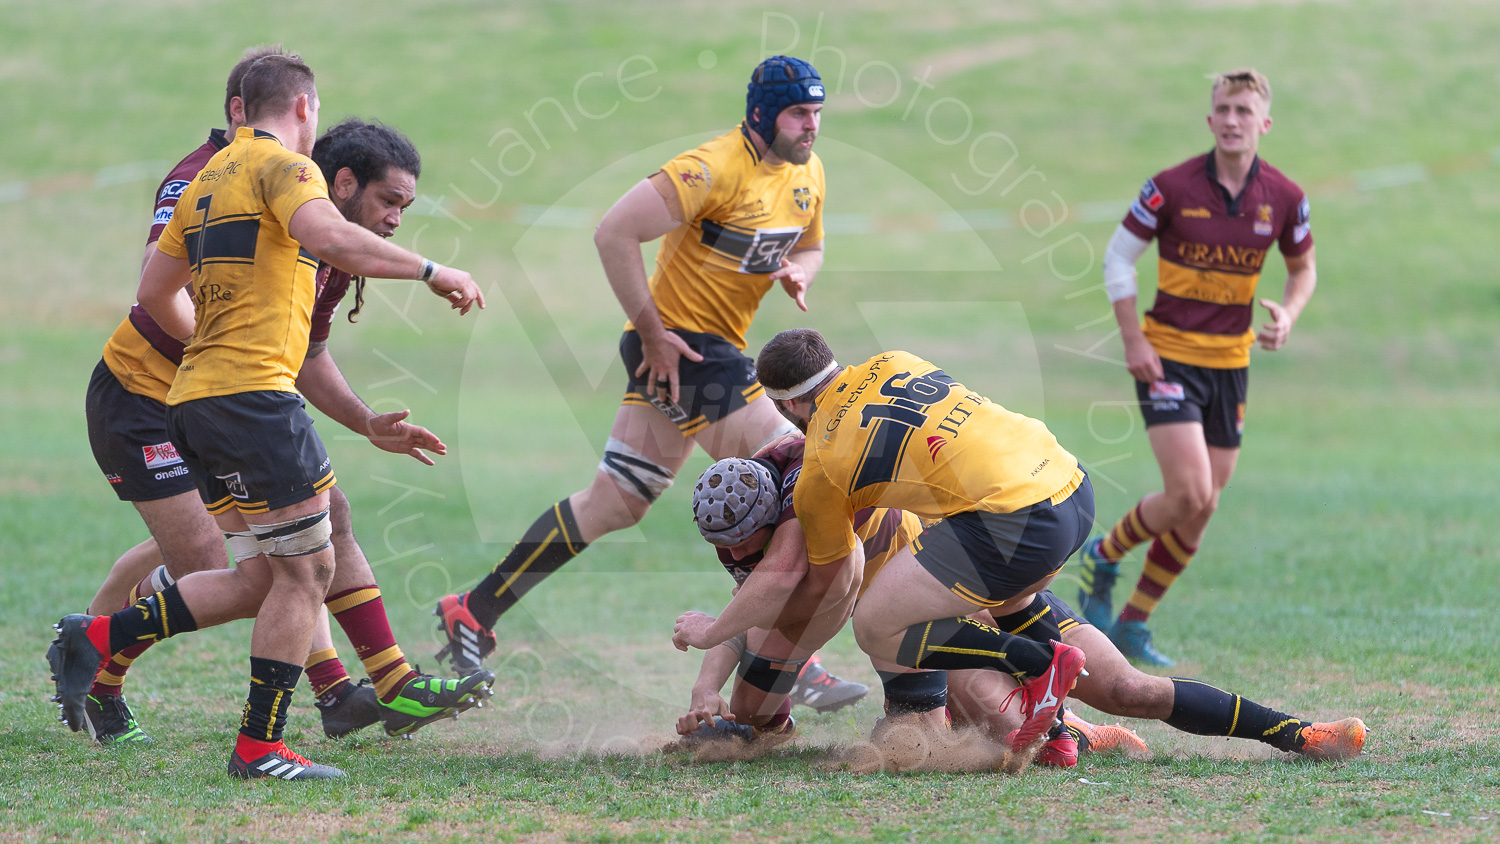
[1098,576]
[1134,641]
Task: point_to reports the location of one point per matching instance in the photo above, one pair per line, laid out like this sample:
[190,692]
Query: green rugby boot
[427,699]
[110,721]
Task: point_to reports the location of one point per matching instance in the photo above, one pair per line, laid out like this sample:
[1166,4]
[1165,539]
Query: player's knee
[637,475]
[637,482]
[914,692]
[1209,506]
[1189,500]
[1131,694]
[772,676]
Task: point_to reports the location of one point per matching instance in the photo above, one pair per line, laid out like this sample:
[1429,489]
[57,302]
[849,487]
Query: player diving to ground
[1006,506]
[259,218]
[738,215]
[778,616]
[774,545]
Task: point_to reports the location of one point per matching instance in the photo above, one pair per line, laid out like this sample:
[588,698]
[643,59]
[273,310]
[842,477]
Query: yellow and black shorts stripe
[986,558]
[254,451]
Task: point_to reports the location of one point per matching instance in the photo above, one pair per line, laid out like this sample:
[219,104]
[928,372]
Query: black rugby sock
[1037,622]
[155,617]
[958,643]
[271,685]
[1205,710]
[551,541]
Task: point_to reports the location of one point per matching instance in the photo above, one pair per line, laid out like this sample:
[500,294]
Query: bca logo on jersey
[1147,204]
[161,454]
[172,190]
[1304,218]
[1150,196]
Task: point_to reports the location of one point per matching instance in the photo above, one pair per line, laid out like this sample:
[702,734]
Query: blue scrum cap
[778,82]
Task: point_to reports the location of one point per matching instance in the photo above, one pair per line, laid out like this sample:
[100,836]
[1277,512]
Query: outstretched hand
[458,288]
[391,432]
[705,707]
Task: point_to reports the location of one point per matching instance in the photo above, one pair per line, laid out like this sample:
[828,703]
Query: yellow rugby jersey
[883,534]
[253,285]
[137,358]
[896,431]
[741,217]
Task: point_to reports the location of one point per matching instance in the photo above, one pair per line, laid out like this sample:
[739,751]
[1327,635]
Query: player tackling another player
[1215,218]
[738,215]
[746,508]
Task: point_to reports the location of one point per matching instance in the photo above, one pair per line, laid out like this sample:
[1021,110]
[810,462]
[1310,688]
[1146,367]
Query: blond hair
[1243,79]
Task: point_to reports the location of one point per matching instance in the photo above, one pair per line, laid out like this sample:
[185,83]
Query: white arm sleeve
[1120,255]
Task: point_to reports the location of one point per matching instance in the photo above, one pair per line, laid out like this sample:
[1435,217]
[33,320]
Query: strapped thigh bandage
[297,537]
[643,478]
[242,544]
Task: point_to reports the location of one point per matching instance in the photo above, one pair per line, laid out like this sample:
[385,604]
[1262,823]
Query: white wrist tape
[1120,255]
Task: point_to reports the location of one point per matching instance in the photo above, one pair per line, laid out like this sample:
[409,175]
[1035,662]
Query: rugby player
[1112,685]
[388,165]
[261,220]
[777,618]
[126,413]
[1215,218]
[740,214]
[1008,506]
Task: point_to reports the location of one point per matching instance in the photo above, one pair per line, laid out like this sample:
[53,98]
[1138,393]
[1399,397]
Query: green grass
[1351,569]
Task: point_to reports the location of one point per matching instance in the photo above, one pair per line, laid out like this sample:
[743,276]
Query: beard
[788,148]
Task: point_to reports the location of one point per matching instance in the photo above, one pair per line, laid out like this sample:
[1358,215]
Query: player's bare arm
[163,293]
[646,212]
[760,601]
[322,384]
[1301,280]
[706,703]
[1140,358]
[1120,257]
[324,232]
[797,272]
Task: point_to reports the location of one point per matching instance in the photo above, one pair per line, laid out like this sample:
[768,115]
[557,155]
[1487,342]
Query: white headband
[799,389]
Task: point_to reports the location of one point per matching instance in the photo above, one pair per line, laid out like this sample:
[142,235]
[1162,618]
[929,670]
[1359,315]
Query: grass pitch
[1350,570]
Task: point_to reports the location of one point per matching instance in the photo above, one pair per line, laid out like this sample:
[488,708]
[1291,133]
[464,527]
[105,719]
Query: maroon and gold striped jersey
[142,356]
[1211,249]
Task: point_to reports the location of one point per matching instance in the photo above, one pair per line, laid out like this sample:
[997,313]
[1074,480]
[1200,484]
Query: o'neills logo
[1219,257]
